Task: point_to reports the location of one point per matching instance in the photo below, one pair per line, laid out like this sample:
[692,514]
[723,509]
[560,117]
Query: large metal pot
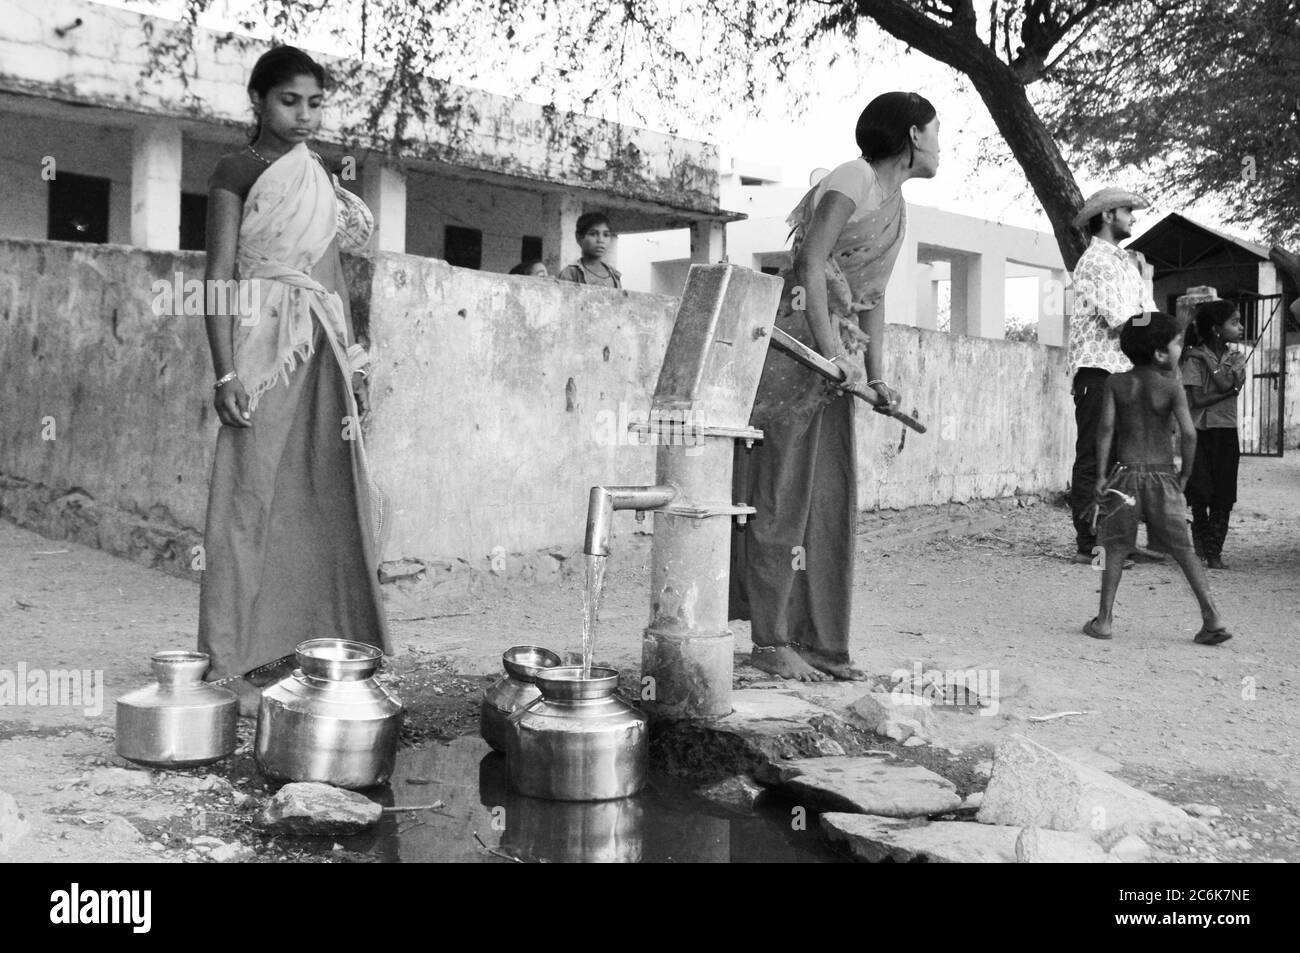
[179,721]
[579,741]
[329,720]
[513,690]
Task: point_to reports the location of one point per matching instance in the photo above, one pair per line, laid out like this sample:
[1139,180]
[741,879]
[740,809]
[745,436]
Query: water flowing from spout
[591,609]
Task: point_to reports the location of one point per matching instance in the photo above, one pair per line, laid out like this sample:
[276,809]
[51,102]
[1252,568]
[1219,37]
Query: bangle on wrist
[225,379]
[875,382]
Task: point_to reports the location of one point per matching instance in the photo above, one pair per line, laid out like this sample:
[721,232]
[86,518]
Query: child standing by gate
[1213,374]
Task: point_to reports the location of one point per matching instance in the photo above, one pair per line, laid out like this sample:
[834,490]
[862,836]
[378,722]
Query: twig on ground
[494,852]
[417,807]
[1059,714]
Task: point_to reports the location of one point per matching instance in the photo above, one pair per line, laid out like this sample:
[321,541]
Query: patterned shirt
[1109,288]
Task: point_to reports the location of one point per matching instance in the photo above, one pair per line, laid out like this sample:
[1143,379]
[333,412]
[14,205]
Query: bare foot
[786,663]
[843,671]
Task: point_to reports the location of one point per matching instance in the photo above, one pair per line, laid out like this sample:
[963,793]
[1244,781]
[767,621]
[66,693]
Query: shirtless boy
[1137,411]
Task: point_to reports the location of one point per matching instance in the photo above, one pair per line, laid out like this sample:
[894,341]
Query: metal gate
[1262,404]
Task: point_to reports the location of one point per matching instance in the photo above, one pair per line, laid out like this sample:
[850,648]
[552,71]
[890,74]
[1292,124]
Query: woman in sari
[294,521]
[792,565]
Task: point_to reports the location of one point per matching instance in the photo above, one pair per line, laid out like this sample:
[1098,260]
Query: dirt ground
[1215,726]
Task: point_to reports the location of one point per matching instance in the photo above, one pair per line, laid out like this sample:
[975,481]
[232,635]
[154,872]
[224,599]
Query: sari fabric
[792,563]
[295,522]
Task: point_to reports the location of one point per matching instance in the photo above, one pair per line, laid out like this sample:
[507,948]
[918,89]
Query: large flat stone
[765,727]
[866,785]
[1033,786]
[878,840]
[309,807]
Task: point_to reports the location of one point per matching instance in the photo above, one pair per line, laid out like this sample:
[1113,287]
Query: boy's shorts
[1158,502]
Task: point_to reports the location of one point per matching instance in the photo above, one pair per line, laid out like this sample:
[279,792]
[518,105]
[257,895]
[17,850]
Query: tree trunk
[959,47]
[1038,156]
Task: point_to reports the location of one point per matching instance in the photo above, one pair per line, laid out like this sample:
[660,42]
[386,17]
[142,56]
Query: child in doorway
[1138,409]
[1213,375]
[594,236]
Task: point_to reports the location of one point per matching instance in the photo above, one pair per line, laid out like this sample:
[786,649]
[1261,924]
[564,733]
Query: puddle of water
[666,823]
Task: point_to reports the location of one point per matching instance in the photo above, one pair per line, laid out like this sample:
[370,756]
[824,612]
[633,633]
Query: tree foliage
[1117,82]
[1206,103]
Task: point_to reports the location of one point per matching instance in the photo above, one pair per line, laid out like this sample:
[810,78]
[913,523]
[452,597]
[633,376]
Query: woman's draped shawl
[291,216]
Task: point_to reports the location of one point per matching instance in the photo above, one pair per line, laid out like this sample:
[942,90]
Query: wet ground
[1219,727]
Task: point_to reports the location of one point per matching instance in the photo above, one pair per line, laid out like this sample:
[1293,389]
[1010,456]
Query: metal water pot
[180,721]
[579,741]
[513,690]
[329,720]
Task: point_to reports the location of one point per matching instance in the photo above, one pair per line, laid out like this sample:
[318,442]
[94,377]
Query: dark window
[750,180]
[78,208]
[194,221]
[770,270]
[462,247]
[530,249]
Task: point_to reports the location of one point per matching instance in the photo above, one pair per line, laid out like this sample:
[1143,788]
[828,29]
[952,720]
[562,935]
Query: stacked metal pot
[565,737]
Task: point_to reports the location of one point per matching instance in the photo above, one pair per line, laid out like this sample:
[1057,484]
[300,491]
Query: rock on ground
[231,853]
[867,784]
[1033,786]
[309,807]
[13,823]
[878,840]
[897,715]
[1131,850]
[102,780]
[738,793]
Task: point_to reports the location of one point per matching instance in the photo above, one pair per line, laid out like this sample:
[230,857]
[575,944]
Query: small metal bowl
[566,683]
[526,662]
[338,660]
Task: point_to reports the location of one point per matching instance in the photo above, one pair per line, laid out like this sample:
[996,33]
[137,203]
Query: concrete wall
[498,400]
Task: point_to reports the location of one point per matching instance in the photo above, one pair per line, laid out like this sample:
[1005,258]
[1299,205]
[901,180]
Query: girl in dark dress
[1213,374]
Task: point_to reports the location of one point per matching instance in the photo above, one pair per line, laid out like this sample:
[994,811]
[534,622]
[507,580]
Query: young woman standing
[792,565]
[294,521]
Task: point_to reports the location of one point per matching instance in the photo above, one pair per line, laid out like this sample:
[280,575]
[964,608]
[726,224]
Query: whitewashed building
[94,151]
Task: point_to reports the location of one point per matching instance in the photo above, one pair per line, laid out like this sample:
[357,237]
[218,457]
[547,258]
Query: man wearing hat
[1109,288]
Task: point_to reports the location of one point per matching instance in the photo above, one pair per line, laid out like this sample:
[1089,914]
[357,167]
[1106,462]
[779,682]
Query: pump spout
[605,500]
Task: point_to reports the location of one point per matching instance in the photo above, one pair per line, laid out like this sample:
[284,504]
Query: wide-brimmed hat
[1107,199]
